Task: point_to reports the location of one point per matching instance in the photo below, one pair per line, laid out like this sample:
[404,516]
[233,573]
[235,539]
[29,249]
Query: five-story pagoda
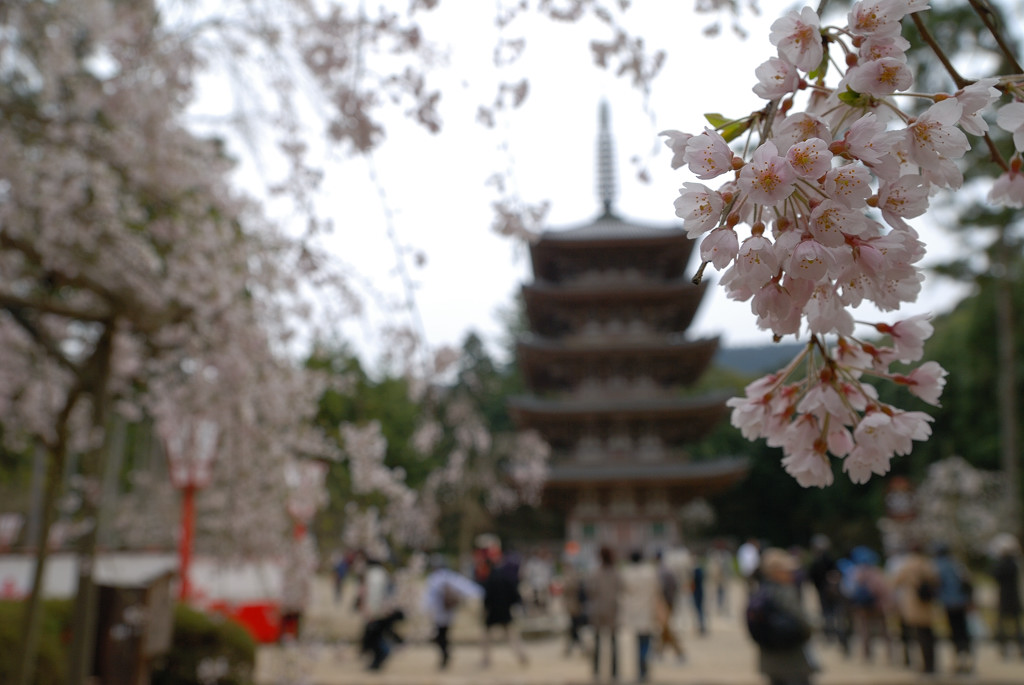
[610,369]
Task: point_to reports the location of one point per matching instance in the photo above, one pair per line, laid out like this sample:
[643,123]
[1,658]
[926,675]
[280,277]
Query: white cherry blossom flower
[776,78]
[799,127]
[826,314]
[806,458]
[905,198]
[913,425]
[708,155]
[768,178]
[867,140]
[926,382]
[797,35]
[1010,118]
[908,336]
[974,98]
[756,262]
[810,261]
[831,222]
[849,185]
[676,141]
[720,247]
[699,207]
[876,18]
[933,138]
[1008,190]
[780,309]
[878,47]
[810,158]
[880,77]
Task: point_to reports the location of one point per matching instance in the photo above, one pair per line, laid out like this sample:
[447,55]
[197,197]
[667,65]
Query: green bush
[202,644]
[54,637]
[212,646]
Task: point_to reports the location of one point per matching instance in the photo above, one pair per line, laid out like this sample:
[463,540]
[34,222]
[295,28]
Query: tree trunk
[1007,386]
[33,607]
[83,636]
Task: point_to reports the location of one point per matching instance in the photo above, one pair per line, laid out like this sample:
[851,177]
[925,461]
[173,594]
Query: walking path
[725,656]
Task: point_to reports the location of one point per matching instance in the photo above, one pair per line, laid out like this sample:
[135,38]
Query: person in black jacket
[501,600]
[790,663]
[1006,573]
[379,636]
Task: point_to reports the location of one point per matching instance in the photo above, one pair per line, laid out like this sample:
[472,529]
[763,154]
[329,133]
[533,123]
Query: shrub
[206,648]
[51,662]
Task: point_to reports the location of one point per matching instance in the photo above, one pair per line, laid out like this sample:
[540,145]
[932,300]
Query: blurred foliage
[357,398]
[51,662]
[206,648]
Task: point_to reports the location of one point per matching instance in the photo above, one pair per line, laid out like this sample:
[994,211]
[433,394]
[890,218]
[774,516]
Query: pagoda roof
[645,290]
[712,475]
[618,240]
[611,229]
[670,360]
[561,421]
[554,309]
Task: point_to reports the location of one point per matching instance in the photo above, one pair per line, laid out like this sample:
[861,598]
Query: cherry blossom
[699,207]
[708,155]
[810,158]
[820,177]
[767,178]
[776,78]
[1010,118]
[880,77]
[974,99]
[1008,189]
[798,37]
[676,141]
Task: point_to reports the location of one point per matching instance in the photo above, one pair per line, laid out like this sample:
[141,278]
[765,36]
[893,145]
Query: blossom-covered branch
[829,175]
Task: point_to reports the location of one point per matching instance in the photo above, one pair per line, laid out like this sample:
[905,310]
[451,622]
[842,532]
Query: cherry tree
[137,281]
[957,504]
[827,178]
[482,469]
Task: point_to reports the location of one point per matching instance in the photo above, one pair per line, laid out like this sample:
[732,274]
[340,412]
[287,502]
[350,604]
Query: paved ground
[725,656]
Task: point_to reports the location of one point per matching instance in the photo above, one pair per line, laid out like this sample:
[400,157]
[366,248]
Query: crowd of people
[900,604]
[796,601]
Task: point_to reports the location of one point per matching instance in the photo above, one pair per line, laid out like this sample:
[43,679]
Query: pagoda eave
[560,423]
[552,364]
[717,474]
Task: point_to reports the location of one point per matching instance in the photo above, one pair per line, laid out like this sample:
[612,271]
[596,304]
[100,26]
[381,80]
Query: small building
[610,370]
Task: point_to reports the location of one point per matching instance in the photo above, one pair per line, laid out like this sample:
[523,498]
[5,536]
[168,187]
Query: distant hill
[757,360]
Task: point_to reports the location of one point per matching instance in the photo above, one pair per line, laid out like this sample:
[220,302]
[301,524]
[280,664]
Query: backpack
[771,626]
[926,591]
[450,597]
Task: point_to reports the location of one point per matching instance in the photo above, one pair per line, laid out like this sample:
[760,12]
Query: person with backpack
[869,601]
[574,598]
[916,583]
[443,593]
[777,622]
[603,590]
[955,593]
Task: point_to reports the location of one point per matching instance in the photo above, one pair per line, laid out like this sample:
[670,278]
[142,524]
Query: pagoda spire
[606,181]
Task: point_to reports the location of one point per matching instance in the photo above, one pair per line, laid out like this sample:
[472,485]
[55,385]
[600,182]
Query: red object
[261,618]
[188,521]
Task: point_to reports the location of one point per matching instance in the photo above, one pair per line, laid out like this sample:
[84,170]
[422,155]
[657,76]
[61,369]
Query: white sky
[435,188]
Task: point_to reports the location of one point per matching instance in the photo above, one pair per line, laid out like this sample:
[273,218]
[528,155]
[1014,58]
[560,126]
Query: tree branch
[987,16]
[930,41]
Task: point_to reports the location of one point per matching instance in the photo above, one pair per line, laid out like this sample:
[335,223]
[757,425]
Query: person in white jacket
[443,593]
[641,592]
